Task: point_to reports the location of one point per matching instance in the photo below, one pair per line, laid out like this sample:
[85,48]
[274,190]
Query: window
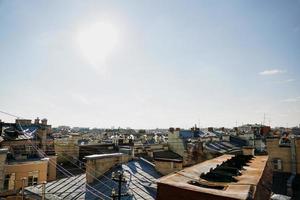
[9,181]
[33,178]
[277,164]
[6,182]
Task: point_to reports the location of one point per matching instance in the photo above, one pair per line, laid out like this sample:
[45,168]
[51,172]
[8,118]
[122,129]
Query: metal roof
[220,146]
[250,176]
[141,186]
[167,156]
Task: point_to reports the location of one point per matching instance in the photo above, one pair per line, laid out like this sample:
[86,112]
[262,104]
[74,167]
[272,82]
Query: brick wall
[96,166]
[167,167]
[277,152]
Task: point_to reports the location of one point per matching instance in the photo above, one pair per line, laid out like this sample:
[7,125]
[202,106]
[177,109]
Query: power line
[6,113]
[64,171]
[61,169]
[67,173]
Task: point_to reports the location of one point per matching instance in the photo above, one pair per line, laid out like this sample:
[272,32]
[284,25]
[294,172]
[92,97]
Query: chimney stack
[37,121]
[248,150]
[44,121]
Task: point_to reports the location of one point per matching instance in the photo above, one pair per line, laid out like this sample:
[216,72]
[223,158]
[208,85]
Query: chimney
[44,121]
[171,129]
[37,121]
[210,129]
[248,150]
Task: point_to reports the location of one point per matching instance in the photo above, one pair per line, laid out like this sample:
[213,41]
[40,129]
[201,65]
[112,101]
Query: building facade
[27,154]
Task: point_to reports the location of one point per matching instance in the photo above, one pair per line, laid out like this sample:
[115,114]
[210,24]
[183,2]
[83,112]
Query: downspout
[294,167]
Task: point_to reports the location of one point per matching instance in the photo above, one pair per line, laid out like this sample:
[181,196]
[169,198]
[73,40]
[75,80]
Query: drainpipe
[294,167]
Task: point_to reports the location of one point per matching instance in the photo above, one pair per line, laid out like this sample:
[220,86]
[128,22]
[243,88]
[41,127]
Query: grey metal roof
[220,146]
[141,186]
[169,155]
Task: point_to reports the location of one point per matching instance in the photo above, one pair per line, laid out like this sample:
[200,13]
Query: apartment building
[27,154]
[284,155]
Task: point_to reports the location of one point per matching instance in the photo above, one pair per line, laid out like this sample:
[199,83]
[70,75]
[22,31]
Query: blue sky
[175,63]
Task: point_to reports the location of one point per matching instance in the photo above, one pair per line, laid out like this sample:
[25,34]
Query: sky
[151,64]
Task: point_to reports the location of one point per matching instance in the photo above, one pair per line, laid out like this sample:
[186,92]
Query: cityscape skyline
[145,65]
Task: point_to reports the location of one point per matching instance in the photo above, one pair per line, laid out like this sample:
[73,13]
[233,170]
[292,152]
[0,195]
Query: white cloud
[294,99]
[287,80]
[290,80]
[271,72]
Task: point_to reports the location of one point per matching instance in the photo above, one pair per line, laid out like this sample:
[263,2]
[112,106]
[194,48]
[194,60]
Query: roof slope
[250,176]
[141,186]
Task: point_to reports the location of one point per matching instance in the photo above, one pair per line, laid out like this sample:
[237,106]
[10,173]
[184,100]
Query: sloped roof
[141,186]
[221,146]
[166,155]
[180,182]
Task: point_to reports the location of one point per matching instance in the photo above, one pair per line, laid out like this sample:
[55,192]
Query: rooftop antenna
[264,118]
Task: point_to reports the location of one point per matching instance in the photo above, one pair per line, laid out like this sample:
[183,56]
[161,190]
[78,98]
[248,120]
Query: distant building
[91,149]
[258,129]
[197,145]
[186,143]
[296,131]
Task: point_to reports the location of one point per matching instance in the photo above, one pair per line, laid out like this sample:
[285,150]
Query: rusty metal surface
[248,180]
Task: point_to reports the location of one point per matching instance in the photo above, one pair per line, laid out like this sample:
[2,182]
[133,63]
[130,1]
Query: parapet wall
[98,164]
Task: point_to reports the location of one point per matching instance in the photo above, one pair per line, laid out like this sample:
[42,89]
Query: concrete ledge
[100,156]
[3,151]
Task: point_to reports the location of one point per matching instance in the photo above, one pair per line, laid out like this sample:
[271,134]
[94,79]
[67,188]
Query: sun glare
[97,41]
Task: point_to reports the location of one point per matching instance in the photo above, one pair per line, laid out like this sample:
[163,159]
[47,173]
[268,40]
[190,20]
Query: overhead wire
[61,169]
[64,170]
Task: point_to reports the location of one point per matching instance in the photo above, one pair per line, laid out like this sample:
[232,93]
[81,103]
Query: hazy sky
[148,64]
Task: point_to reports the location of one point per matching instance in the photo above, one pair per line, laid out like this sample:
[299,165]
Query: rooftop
[251,174]
[107,155]
[26,161]
[221,146]
[167,155]
[141,186]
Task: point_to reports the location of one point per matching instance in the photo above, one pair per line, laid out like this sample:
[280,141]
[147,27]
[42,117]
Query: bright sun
[97,41]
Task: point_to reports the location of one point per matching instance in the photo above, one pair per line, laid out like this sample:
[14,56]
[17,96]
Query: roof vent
[228,169]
